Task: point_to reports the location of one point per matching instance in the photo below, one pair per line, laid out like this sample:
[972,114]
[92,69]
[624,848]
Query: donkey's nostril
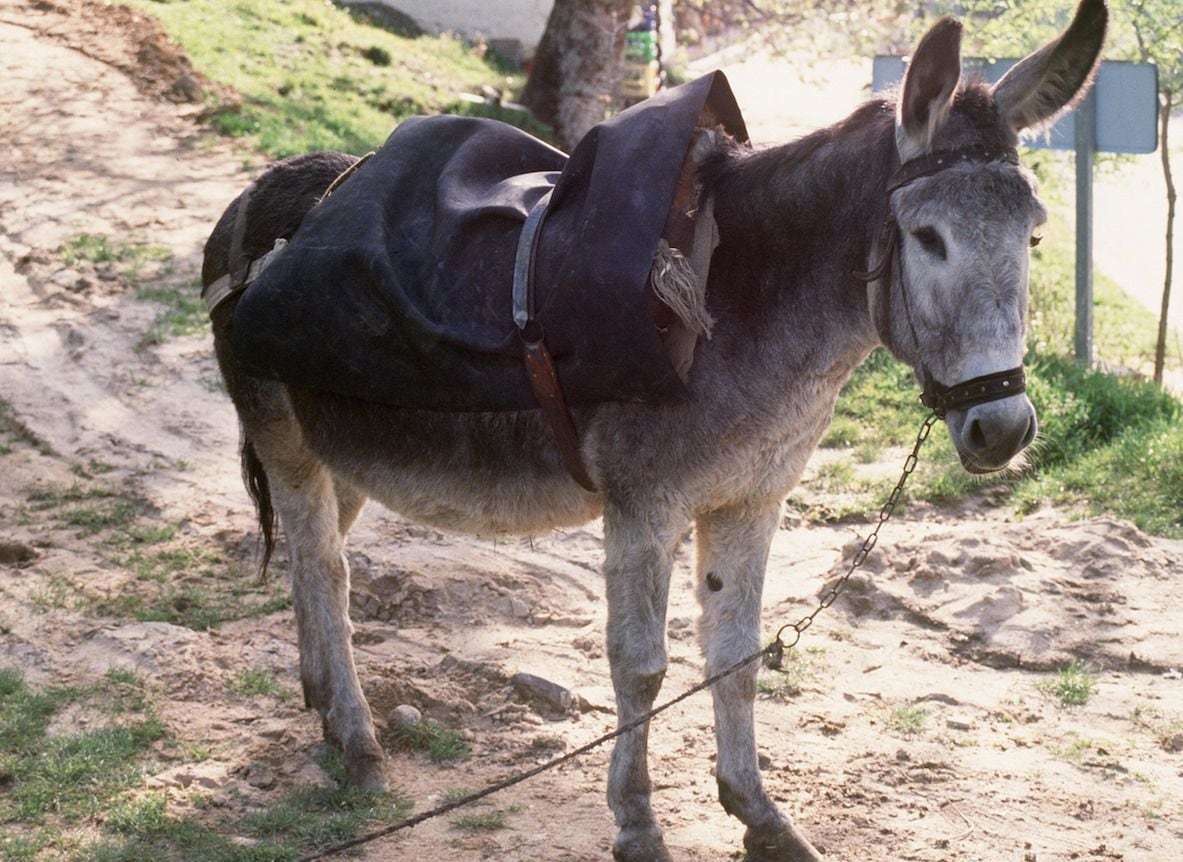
[977,438]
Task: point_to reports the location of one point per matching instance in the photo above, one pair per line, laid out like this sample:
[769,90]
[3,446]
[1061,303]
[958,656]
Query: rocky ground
[917,721]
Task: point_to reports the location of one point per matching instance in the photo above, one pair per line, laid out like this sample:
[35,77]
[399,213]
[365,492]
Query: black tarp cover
[397,288]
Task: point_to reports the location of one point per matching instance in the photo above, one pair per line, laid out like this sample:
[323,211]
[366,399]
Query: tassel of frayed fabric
[677,285]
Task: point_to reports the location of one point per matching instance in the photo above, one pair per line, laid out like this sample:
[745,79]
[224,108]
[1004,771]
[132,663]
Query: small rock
[260,776]
[405,716]
[517,608]
[185,89]
[1173,743]
[16,553]
[1172,674]
[542,690]
[763,761]
[959,723]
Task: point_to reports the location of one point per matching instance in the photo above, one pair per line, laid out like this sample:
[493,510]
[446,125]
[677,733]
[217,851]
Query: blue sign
[1126,97]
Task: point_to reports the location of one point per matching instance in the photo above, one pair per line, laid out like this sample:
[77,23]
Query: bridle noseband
[936,395]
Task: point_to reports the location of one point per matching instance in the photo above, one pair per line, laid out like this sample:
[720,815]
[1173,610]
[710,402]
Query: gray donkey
[923,194]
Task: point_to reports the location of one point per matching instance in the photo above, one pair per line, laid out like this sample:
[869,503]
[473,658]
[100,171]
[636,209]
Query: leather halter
[936,395]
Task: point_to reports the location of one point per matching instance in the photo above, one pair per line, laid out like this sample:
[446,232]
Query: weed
[1074,751]
[486,821]
[441,744]
[53,595]
[254,682]
[16,430]
[800,666]
[907,719]
[183,313]
[144,815]
[93,248]
[1072,686]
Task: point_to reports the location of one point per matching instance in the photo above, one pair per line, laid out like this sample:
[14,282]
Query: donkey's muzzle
[989,435]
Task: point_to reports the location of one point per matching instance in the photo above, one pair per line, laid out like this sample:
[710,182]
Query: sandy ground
[958,619]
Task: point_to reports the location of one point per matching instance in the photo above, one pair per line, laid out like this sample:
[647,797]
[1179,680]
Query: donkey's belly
[471,503]
[474,473]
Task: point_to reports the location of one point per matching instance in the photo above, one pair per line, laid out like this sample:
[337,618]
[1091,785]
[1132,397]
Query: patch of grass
[108,515]
[908,720]
[183,313]
[1075,750]
[14,430]
[255,682]
[800,667]
[485,821]
[54,595]
[1073,685]
[311,77]
[70,776]
[441,744]
[132,257]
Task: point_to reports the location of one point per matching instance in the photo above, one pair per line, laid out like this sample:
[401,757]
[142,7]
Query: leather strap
[540,367]
[544,380]
[978,390]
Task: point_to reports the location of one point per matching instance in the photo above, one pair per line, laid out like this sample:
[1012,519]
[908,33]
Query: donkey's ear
[929,85]
[1040,87]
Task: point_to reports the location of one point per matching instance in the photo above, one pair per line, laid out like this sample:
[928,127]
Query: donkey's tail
[254,476]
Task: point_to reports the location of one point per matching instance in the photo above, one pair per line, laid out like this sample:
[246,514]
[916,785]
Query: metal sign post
[1086,146]
[1120,115]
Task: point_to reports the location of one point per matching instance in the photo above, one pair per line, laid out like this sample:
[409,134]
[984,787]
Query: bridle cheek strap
[979,390]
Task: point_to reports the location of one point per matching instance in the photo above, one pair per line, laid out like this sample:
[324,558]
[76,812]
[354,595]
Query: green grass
[311,77]
[908,720]
[255,682]
[13,430]
[93,248]
[800,667]
[485,821]
[182,312]
[441,744]
[57,788]
[68,777]
[1072,686]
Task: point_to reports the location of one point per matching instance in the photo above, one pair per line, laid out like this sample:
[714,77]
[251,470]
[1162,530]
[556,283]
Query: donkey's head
[951,295]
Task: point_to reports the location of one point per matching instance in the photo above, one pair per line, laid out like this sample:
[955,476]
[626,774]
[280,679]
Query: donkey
[920,191]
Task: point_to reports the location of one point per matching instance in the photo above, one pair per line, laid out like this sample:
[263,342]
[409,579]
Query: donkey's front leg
[639,550]
[732,554]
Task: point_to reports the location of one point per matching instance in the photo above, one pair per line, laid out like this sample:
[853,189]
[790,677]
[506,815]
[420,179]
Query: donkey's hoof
[640,844]
[367,774]
[779,842]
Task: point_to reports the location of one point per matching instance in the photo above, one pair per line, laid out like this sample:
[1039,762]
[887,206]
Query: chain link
[773,656]
[775,652]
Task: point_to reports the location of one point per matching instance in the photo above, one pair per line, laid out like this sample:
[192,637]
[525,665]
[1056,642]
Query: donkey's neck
[795,223]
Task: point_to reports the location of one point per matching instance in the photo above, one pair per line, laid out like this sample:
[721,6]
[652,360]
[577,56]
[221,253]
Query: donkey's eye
[1036,239]
[931,241]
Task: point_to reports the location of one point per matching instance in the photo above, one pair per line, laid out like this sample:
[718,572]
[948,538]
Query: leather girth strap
[540,367]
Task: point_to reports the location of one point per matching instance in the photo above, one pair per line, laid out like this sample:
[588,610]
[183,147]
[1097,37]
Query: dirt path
[912,725]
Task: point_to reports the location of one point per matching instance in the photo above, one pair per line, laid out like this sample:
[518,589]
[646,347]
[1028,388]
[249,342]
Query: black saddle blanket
[398,287]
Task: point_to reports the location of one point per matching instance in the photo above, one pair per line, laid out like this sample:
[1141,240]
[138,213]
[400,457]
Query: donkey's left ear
[1055,78]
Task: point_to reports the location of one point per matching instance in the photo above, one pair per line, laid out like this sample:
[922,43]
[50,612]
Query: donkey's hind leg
[315,513]
[732,554]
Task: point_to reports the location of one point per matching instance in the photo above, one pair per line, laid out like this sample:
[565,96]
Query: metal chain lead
[773,656]
[775,652]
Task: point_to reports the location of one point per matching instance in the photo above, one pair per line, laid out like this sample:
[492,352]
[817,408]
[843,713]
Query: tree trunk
[1160,349]
[578,66]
